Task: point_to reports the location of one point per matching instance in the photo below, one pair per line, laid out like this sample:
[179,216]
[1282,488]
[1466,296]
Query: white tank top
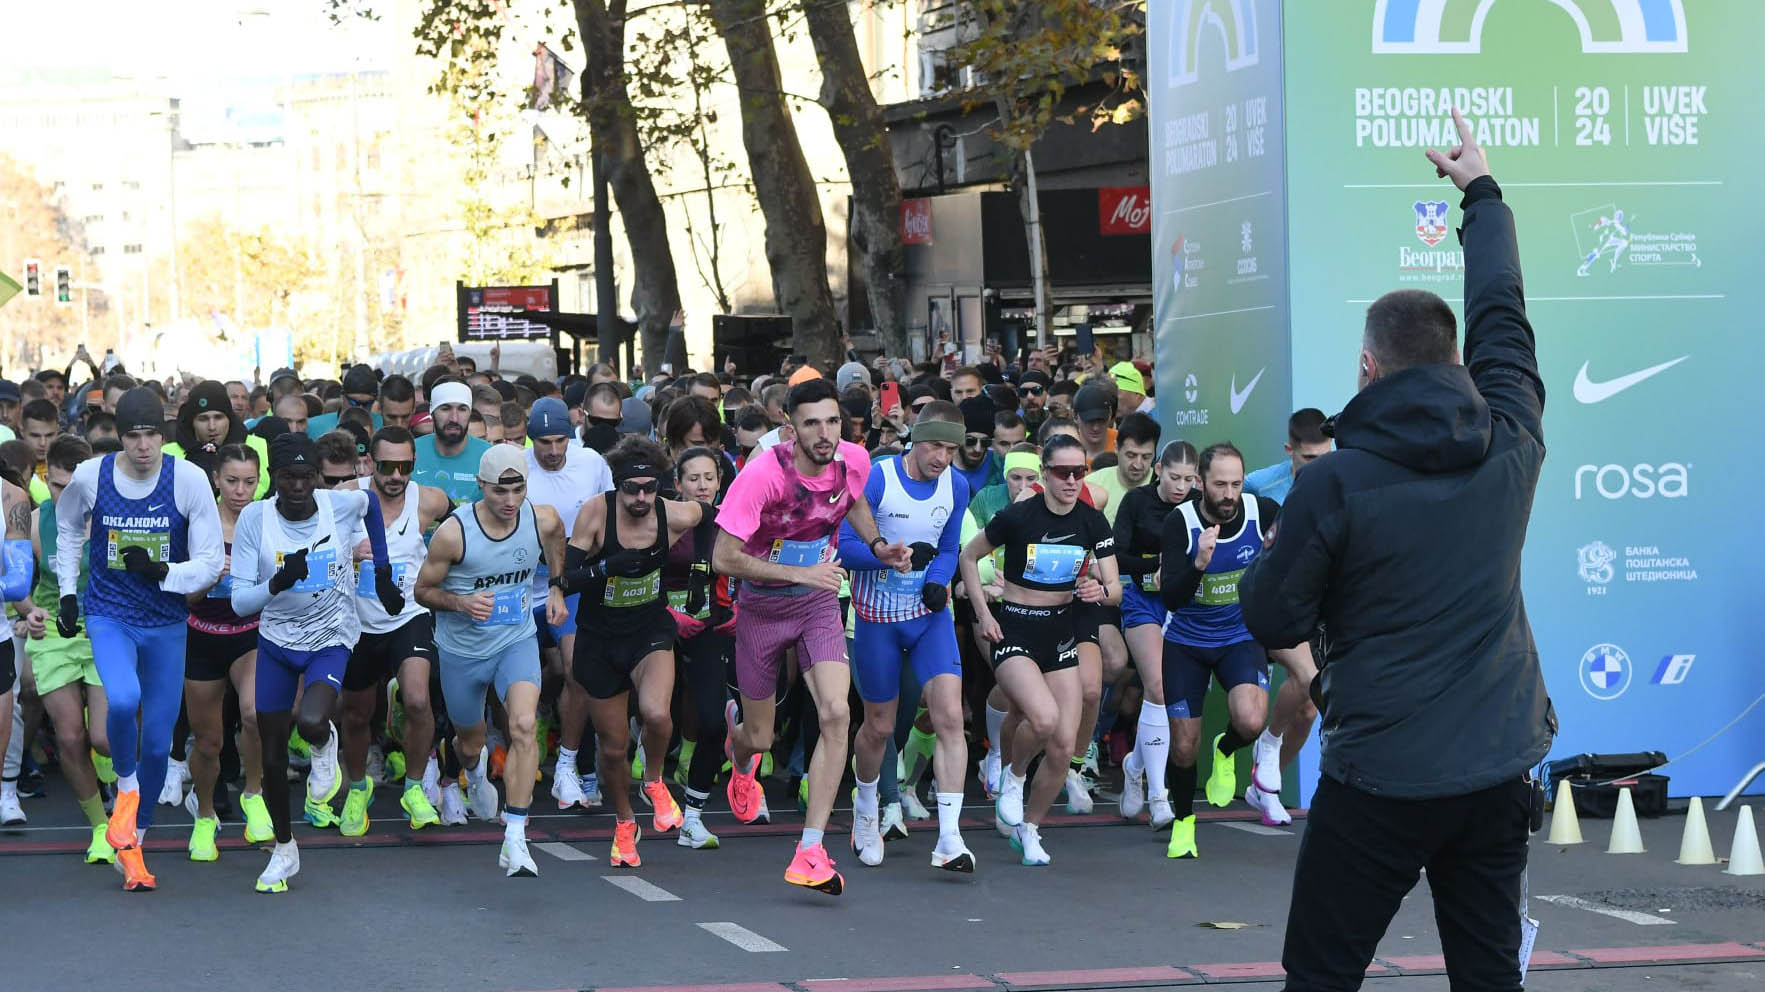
[405,550]
[319,611]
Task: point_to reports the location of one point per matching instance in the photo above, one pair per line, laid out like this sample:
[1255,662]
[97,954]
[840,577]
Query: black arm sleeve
[1127,561]
[1178,578]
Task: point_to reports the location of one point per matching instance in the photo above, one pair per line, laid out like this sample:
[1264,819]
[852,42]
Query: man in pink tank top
[779,536]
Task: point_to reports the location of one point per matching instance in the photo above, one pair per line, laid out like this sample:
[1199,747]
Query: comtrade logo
[1605,671]
[1668,480]
[1234,20]
[1455,27]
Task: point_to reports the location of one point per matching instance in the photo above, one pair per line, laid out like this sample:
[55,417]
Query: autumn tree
[37,332]
[1025,55]
[876,189]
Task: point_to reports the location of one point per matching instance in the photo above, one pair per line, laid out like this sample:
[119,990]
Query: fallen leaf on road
[1227,925]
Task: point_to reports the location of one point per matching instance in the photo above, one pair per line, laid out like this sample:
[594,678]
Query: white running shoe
[11,813]
[1133,787]
[1269,805]
[867,840]
[567,788]
[1265,768]
[452,805]
[514,859]
[694,835]
[432,781]
[591,791]
[952,854]
[1027,839]
[1161,815]
[284,865]
[481,794]
[764,815]
[1078,793]
[911,805]
[893,826]
[176,774]
[1008,808]
[323,778]
[989,773]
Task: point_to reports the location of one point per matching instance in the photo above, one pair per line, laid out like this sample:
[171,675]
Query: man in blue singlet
[1207,546]
[153,536]
[918,501]
[478,579]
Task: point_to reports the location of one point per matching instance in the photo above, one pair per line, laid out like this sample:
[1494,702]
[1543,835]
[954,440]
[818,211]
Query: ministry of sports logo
[1605,671]
[1430,221]
[1594,563]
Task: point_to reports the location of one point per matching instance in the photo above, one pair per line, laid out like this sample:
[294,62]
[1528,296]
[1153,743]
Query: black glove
[391,597]
[293,570]
[923,554]
[67,624]
[935,596]
[138,560]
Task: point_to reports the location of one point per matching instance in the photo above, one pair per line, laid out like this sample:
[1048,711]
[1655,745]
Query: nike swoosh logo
[155,508]
[1239,398]
[1051,539]
[1588,391]
[407,526]
[333,680]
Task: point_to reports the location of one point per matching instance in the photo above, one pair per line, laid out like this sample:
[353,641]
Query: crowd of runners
[473,589]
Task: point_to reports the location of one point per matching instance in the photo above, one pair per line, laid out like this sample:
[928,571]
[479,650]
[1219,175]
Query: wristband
[873,542]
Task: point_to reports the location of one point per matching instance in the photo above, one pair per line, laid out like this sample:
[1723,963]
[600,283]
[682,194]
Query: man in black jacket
[1405,546]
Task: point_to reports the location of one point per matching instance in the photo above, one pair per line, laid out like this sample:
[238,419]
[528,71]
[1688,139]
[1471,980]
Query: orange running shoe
[499,756]
[745,794]
[625,837]
[667,814]
[813,869]
[134,870]
[120,833]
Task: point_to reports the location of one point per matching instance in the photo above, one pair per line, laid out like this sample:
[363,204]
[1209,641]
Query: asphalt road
[432,911]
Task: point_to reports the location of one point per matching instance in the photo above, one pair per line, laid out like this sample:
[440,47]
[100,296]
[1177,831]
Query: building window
[96,251]
[97,187]
[131,186]
[132,249]
[92,219]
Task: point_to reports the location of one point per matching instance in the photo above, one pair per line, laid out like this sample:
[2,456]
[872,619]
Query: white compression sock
[866,804]
[949,813]
[994,719]
[1152,740]
[128,783]
[566,760]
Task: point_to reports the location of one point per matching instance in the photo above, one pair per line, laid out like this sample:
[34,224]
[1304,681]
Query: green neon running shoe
[355,811]
[1182,843]
[202,833]
[100,852]
[418,808]
[320,815]
[1222,779]
[258,828]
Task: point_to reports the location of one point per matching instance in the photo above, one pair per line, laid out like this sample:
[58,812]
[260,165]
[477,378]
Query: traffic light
[64,284]
[33,277]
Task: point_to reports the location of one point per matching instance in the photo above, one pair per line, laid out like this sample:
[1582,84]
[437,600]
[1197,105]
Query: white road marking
[1256,828]
[1627,915]
[742,937]
[564,852]
[641,889]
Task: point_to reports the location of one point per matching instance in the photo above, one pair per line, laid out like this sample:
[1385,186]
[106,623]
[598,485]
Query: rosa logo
[1668,480]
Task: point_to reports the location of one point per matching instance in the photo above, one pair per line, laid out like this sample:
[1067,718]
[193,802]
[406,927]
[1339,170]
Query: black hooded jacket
[1405,545]
[205,396]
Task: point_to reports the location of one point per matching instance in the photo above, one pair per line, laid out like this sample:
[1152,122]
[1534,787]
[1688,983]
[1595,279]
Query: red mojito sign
[1124,210]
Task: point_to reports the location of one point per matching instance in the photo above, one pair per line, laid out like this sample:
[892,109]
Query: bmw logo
[1605,671]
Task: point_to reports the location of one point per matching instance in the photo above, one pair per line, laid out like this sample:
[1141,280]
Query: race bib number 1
[801,553]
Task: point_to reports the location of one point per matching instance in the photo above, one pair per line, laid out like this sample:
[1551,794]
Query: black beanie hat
[977,415]
[139,409]
[293,449]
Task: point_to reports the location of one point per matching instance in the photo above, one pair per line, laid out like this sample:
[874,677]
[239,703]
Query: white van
[535,358]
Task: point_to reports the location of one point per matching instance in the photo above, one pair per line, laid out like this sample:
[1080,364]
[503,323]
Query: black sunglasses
[339,480]
[632,487]
[606,421]
[1030,390]
[396,468]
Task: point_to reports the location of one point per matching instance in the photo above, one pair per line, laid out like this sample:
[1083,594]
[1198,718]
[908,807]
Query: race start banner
[1616,130]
